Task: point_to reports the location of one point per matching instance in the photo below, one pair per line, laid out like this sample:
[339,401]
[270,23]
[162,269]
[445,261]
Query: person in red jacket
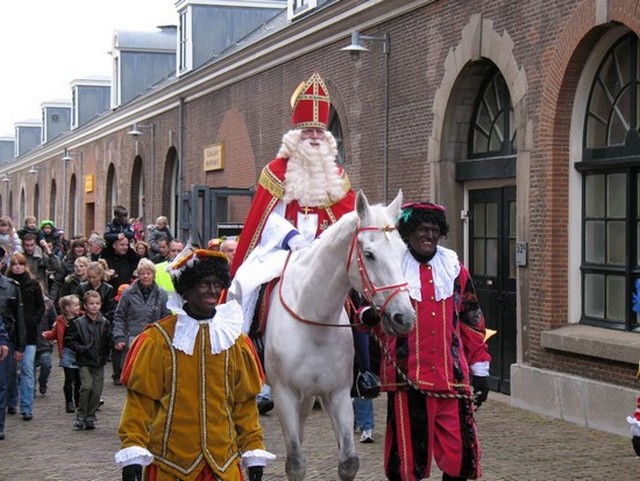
[70,308]
[434,375]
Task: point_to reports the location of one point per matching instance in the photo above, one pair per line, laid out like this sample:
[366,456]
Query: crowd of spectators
[55,291]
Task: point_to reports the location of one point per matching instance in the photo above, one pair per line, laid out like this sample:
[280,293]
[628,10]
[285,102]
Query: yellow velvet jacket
[191,410]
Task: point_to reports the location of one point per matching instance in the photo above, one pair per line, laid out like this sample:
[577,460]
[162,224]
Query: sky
[45,44]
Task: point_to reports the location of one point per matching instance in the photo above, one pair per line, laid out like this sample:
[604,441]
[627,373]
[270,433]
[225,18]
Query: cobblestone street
[517,445]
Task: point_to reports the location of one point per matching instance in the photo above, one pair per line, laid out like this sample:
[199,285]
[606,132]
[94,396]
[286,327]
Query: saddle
[259,321]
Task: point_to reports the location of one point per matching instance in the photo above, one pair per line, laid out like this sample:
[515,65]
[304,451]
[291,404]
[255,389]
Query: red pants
[151,474]
[421,427]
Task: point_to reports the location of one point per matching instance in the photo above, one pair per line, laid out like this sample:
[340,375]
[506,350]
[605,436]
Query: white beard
[312,177]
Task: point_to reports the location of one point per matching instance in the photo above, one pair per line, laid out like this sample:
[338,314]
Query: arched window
[610,265]
[492,131]
[491,142]
[170,189]
[53,202]
[23,206]
[336,129]
[111,198]
[36,201]
[137,189]
[73,207]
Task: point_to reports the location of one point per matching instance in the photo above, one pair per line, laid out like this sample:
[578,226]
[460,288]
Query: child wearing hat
[202,423]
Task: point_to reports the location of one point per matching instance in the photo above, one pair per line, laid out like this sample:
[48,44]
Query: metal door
[203,209]
[492,239]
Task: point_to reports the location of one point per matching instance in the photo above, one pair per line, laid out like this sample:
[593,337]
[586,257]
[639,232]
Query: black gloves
[133,472]
[636,444]
[369,316]
[255,473]
[480,389]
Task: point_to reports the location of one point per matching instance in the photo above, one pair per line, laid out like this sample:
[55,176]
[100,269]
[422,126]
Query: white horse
[306,353]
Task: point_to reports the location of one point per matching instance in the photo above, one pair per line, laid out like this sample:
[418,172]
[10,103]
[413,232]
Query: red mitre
[311,104]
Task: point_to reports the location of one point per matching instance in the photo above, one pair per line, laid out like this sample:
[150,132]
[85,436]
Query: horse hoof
[348,468]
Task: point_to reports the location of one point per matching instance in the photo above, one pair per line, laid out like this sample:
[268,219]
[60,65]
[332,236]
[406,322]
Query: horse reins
[369,288]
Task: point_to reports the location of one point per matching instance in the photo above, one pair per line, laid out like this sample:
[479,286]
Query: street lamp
[356,48]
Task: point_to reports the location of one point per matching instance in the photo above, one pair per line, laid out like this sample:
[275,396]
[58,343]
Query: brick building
[521,117]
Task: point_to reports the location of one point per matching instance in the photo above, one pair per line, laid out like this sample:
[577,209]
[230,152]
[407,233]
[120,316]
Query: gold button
[430,281]
[433,314]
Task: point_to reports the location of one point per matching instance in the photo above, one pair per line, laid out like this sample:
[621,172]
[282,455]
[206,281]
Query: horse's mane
[346,225]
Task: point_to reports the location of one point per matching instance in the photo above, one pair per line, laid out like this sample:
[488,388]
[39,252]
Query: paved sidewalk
[517,445]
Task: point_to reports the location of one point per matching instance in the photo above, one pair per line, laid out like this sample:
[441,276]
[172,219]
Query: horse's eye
[369,255]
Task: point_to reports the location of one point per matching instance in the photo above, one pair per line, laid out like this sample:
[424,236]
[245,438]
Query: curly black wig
[415,214]
[190,276]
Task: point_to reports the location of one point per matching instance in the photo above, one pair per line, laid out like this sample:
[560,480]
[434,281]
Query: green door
[492,231]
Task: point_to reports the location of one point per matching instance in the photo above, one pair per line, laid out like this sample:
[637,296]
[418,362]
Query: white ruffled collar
[224,327]
[445,267]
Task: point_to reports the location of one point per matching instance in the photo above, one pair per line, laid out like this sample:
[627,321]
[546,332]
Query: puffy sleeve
[472,324]
[248,379]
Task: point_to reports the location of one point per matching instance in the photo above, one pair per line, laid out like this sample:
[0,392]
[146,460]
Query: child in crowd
[30,227]
[44,347]
[90,338]
[137,226]
[9,237]
[70,308]
[119,226]
[49,233]
[158,232]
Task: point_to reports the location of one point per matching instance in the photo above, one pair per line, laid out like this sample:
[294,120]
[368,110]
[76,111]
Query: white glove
[298,242]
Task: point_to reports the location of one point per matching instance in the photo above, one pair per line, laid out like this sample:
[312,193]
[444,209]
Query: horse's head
[376,264]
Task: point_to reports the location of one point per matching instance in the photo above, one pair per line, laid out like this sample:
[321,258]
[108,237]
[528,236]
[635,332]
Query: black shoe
[1,435]
[116,382]
[89,425]
[11,410]
[70,408]
[27,416]
[265,405]
[78,423]
[43,389]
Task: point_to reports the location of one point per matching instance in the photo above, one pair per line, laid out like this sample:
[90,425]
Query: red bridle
[369,288]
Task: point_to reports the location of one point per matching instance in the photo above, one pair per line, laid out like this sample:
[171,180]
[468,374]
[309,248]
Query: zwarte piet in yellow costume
[192,379]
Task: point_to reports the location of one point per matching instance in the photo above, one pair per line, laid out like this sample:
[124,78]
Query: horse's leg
[288,408]
[340,412]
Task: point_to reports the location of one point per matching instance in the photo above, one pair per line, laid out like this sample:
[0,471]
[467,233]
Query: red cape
[270,190]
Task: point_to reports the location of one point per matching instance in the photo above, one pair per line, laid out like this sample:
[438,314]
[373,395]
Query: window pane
[615,298]
[492,220]
[478,220]
[478,257]
[594,242]
[616,243]
[620,120]
[616,195]
[496,134]
[492,257]
[594,295]
[594,197]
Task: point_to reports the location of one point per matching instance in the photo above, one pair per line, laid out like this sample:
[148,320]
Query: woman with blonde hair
[33,310]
